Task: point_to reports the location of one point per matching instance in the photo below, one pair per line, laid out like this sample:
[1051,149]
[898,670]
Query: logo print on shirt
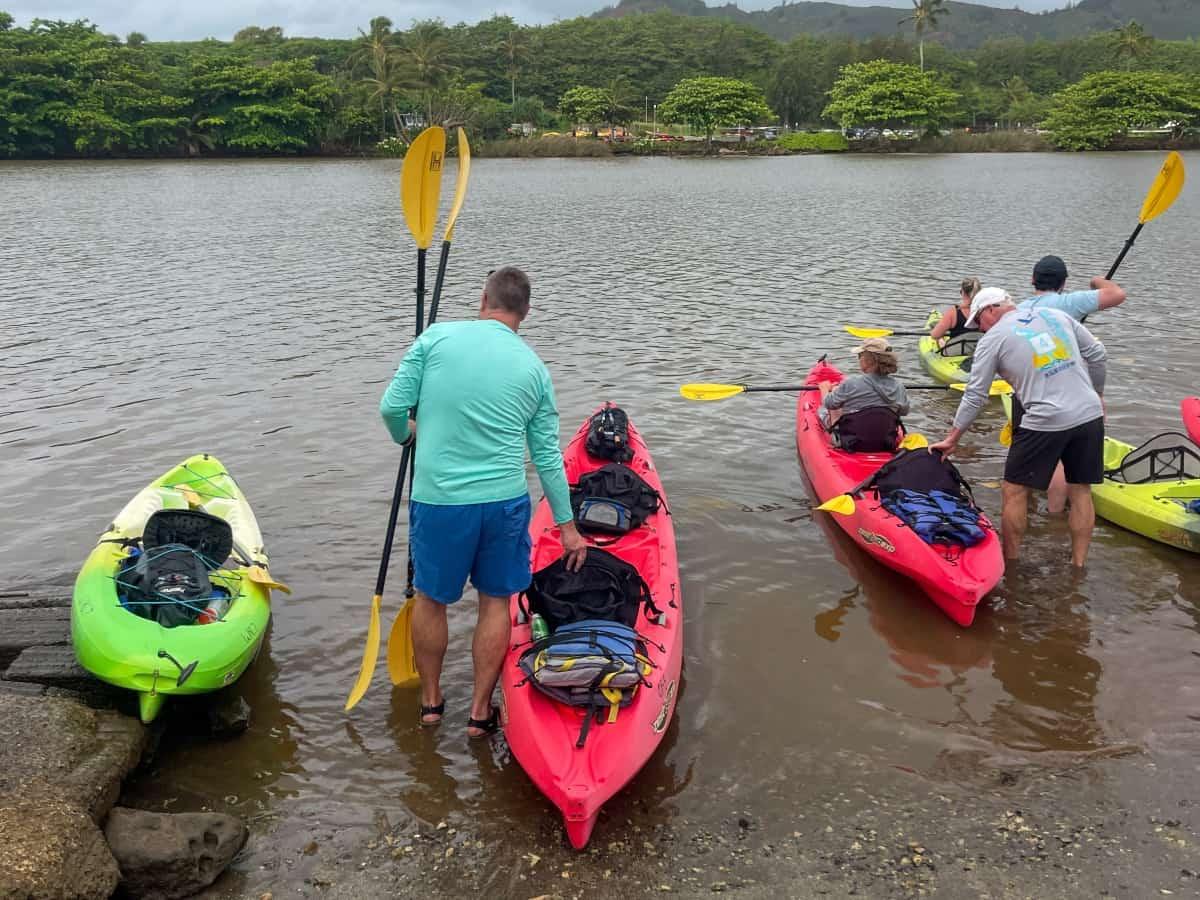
[1052,349]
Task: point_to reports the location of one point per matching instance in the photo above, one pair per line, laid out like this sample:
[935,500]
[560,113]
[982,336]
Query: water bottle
[217,606]
[539,627]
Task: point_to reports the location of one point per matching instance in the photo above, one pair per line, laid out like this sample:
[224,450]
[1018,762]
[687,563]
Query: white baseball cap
[985,298]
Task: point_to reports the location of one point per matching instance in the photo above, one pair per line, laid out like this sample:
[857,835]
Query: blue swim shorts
[488,542]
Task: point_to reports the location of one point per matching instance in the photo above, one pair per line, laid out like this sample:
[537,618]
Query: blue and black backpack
[929,494]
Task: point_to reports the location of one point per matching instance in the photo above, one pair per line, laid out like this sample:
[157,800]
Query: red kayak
[1190,410]
[956,579]
[543,733]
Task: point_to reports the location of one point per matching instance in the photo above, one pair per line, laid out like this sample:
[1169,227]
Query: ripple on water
[256,309]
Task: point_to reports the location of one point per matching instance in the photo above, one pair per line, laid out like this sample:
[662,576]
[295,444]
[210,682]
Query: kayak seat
[876,429]
[1169,456]
[209,536]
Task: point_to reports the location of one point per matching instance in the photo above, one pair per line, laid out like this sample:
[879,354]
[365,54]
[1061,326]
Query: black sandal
[487,726]
[437,710]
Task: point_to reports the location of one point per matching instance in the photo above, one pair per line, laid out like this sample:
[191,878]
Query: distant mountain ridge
[967,25]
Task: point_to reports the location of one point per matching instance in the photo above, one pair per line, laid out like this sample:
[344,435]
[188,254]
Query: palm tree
[425,51]
[515,49]
[387,79]
[1132,43]
[925,18]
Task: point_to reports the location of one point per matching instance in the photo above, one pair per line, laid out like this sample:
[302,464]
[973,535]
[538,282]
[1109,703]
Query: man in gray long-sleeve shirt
[1042,353]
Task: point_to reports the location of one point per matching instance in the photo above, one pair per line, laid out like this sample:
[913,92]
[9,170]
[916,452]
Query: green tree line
[68,89]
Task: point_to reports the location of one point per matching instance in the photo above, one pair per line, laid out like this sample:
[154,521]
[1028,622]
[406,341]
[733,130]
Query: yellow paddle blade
[460,187]
[842,504]
[370,654]
[1006,434]
[1165,189]
[402,666]
[421,183]
[710,391]
[998,388]
[192,498]
[261,576]
[867,332]
[914,441]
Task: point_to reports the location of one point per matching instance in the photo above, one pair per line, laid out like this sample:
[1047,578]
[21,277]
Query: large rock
[172,855]
[57,745]
[21,628]
[55,665]
[50,849]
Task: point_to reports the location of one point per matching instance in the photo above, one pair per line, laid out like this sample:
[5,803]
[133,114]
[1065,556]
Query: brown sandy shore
[1117,824]
[1072,828]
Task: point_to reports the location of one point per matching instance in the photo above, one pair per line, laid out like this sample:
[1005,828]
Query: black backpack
[604,588]
[922,471]
[871,430]
[168,581]
[166,584]
[613,499]
[608,435]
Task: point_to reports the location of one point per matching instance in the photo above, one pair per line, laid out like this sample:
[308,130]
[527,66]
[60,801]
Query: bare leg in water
[492,633]
[430,636]
[1014,517]
[1081,520]
[1056,494]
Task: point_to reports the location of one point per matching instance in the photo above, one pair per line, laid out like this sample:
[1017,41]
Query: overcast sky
[195,19]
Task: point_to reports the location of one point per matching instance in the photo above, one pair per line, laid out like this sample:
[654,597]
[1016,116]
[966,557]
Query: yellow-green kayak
[129,650]
[946,369]
[1156,509]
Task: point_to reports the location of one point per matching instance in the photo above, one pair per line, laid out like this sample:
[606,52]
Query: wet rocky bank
[1028,829]
[66,746]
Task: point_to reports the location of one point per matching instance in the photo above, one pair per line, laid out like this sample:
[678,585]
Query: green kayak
[119,642]
[946,369]
[1147,489]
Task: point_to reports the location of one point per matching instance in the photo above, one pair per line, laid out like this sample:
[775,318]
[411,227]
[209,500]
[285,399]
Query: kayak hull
[1141,508]
[128,651]
[946,369]
[1190,410]
[541,733]
[955,580]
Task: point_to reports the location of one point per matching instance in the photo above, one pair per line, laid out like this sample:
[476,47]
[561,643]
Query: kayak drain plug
[185,672]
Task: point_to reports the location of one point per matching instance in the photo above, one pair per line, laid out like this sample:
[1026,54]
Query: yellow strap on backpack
[613,696]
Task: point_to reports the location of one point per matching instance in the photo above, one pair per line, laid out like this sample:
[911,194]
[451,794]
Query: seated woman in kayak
[954,320]
[864,411]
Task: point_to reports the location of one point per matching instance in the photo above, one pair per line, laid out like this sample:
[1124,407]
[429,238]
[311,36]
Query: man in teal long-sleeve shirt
[483,396]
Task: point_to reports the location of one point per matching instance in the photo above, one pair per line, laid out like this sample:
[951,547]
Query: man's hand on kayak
[944,447]
[574,546]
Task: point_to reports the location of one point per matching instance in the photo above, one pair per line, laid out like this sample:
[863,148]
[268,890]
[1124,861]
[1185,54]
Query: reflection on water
[256,310]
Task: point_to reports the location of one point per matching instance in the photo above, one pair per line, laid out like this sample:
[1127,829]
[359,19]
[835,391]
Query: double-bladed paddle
[865,333]
[402,666]
[1162,194]
[725,391]
[420,191]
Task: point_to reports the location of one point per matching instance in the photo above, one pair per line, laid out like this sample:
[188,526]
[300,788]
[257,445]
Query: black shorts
[1034,455]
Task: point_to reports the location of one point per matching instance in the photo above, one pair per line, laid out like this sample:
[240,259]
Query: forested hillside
[68,89]
[967,24]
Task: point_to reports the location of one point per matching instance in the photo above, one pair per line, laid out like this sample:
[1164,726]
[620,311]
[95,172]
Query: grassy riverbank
[804,142]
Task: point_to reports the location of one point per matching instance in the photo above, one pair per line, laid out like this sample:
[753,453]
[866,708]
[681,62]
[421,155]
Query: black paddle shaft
[421,290]
[437,282]
[1128,244]
[813,387]
[397,496]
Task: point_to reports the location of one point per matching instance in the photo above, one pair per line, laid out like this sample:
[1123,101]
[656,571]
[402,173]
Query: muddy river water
[255,310]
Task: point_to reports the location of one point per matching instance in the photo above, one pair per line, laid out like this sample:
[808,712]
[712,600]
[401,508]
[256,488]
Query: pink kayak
[955,579]
[1190,410]
[543,733]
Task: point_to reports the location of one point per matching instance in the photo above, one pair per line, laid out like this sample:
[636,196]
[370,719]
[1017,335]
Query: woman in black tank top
[954,320]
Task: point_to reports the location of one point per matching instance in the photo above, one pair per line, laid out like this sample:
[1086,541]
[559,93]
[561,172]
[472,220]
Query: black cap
[1050,273]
